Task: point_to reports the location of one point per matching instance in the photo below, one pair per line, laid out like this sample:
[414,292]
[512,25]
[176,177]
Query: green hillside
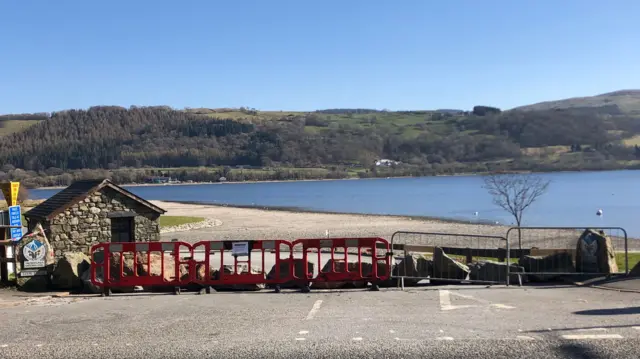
[202,144]
[626,101]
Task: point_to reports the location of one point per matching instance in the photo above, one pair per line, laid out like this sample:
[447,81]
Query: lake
[572,199]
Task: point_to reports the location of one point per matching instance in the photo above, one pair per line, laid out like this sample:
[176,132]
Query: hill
[131,144]
[624,101]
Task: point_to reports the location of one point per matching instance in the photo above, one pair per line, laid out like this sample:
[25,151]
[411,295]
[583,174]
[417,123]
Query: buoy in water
[599,213]
[475,214]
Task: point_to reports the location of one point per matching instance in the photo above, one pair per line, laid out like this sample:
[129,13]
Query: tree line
[112,140]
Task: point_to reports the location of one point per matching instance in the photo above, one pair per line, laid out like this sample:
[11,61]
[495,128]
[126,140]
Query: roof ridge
[78,191]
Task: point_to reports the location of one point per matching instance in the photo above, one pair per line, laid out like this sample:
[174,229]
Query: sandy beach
[251,223]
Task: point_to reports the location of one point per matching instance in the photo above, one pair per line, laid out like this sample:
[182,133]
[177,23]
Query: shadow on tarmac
[610,311]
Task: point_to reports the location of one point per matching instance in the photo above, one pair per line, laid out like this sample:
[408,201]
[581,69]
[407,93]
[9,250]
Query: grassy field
[16,126]
[627,101]
[170,221]
[237,114]
[25,204]
[634,258]
[549,151]
[633,141]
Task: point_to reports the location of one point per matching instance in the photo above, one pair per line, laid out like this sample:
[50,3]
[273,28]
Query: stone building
[94,211]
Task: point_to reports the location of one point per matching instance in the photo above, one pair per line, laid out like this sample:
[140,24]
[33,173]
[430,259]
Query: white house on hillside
[386,162]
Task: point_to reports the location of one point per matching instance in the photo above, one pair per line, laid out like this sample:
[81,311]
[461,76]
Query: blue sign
[15,219]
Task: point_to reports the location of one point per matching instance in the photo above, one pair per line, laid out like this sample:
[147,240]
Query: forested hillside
[204,145]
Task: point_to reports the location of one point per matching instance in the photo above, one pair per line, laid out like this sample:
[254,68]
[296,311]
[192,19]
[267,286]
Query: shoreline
[287,223]
[300,210]
[470,174]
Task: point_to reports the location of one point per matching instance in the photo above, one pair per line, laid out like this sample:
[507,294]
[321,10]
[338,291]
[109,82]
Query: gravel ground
[248,224]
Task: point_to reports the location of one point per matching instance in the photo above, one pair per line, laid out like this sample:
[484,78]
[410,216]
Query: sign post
[15,219]
[10,191]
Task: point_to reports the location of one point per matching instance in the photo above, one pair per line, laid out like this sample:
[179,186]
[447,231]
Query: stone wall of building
[86,223]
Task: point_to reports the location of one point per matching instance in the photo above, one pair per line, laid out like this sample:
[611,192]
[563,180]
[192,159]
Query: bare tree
[515,193]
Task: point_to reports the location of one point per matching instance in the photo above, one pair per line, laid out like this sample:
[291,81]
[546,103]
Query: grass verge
[171,221]
[634,258]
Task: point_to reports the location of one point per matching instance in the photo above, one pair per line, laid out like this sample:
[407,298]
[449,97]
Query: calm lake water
[572,198]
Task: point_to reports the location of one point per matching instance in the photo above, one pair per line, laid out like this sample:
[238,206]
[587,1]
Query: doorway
[122,229]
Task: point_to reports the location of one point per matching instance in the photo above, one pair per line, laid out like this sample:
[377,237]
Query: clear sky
[307,55]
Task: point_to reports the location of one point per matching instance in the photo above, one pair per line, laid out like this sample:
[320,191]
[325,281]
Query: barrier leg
[305,288]
[176,290]
[277,288]
[374,287]
[204,290]
[106,291]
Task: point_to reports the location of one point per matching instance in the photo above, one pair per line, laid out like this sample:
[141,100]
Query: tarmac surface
[429,322]
[620,283]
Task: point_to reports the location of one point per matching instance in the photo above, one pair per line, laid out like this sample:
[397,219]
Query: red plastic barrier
[149,264]
[343,268]
[237,264]
[242,263]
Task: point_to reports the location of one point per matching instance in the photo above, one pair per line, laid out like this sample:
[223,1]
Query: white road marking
[314,309]
[357,339]
[591,336]
[301,339]
[38,345]
[4,345]
[444,338]
[524,337]
[593,330]
[303,332]
[636,328]
[392,331]
[441,331]
[445,301]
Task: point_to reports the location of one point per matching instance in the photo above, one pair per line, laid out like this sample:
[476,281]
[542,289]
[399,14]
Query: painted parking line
[593,330]
[444,338]
[525,337]
[314,310]
[591,336]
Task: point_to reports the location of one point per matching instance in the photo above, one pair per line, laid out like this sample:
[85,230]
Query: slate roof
[76,193]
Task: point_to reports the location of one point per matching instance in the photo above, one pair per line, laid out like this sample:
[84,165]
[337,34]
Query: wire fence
[449,258]
[547,253]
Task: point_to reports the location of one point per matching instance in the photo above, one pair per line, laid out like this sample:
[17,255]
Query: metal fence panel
[547,253]
[449,257]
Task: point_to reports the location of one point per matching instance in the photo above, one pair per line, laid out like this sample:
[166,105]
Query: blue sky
[307,55]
